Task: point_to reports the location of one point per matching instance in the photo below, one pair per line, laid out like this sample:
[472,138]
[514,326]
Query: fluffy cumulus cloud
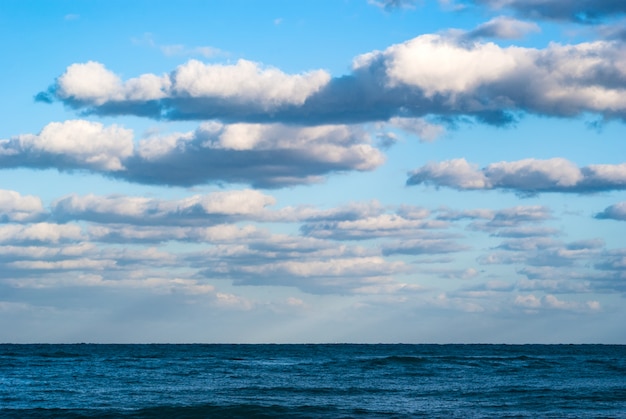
[17,208]
[245,87]
[246,82]
[561,80]
[415,78]
[73,144]
[271,155]
[526,176]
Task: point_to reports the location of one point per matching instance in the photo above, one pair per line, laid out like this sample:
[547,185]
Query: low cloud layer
[415,78]
[267,156]
[216,208]
[528,176]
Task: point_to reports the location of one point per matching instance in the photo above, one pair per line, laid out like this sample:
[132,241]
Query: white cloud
[431,62]
[11,252]
[272,155]
[71,144]
[456,173]
[550,302]
[412,79]
[382,225]
[140,210]
[62,265]
[92,83]
[247,82]
[39,232]
[524,176]
[17,208]
[559,80]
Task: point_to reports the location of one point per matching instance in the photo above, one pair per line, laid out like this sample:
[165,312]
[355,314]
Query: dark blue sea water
[332,381]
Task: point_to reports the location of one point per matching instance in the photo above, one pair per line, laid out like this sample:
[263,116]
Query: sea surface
[312,381]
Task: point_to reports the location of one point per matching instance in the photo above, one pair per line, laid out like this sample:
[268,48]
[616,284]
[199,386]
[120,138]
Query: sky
[410,171]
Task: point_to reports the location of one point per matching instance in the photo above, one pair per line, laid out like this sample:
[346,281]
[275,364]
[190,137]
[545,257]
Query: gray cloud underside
[264,156]
[614,212]
[581,11]
[416,78]
[529,176]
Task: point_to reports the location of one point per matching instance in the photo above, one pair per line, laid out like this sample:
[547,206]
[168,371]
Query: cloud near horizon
[323,258]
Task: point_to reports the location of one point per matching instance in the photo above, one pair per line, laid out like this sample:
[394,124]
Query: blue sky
[313,171]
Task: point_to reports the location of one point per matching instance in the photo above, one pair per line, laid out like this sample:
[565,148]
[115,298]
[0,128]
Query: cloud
[613,212]
[423,247]
[615,31]
[423,129]
[270,156]
[370,227]
[191,87]
[580,11]
[528,176]
[515,217]
[550,302]
[561,80]
[198,209]
[17,208]
[390,5]
[545,252]
[73,144]
[217,234]
[39,233]
[503,27]
[463,274]
[416,78]
[329,275]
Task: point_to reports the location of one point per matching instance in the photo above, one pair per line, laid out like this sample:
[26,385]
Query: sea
[312,381]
